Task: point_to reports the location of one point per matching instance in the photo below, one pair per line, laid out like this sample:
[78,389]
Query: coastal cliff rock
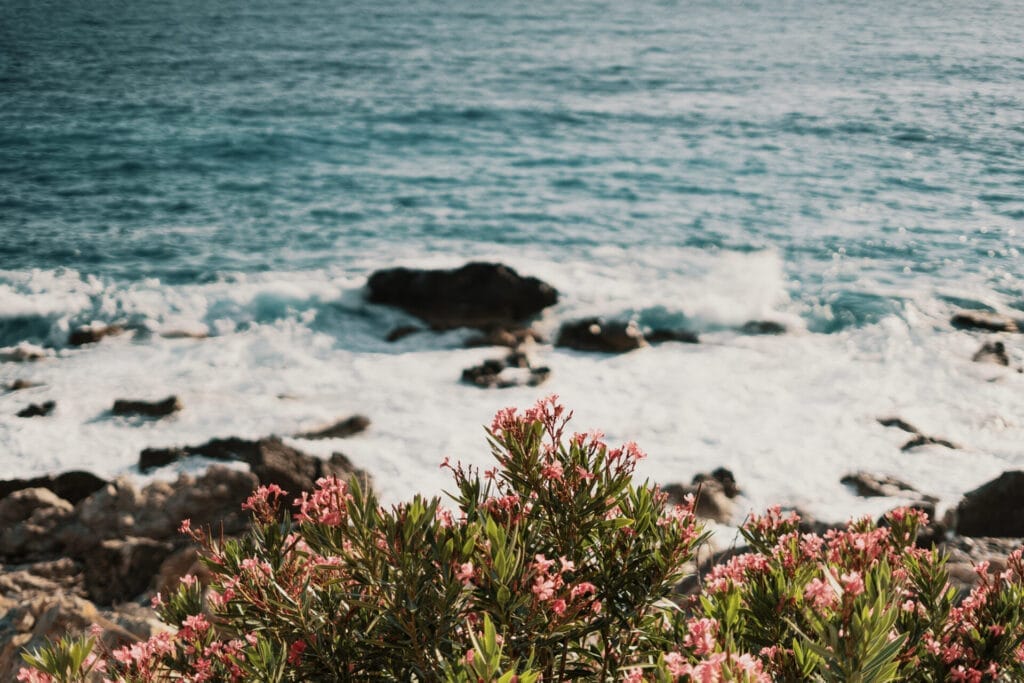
[994,509]
[602,336]
[478,295]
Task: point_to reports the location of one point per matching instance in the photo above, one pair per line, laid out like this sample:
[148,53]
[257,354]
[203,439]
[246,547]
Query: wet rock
[869,485]
[156,409]
[597,334]
[722,476]
[661,336]
[151,458]
[500,336]
[19,384]
[22,353]
[984,320]
[501,373]
[90,334]
[922,440]
[72,486]
[476,295]
[993,509]
[341,429]
[401,332]
[758,327]
[898,423]
[119,569]
[38,409]
[992,352]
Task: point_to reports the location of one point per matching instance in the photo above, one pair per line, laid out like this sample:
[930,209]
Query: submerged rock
[341,429]
[661,336]
[507,372]
[898,423]
[992,352]
[993,509]
[23,352]
[757,327]
[38,409]
[869,485]
[19,384]
[401,332]
[597,334]
[922,440]
[167,406]
[475,295]
[90,334]
[984,320]
[502,336]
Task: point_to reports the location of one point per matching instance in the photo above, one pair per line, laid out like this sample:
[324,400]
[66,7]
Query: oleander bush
[555,565]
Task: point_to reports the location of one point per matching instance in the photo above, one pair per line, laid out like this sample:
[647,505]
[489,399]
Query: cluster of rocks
[499,303]
[77,550]
[514,370]
[992,351]
[121,408]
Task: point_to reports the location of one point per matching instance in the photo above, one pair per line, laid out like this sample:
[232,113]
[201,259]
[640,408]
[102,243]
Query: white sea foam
[789,414]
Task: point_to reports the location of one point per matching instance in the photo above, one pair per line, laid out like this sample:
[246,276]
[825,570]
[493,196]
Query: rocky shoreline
[77,550]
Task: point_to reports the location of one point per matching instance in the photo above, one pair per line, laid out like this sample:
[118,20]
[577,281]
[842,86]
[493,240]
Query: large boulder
[603,336]
[476,295]
[29,520]
[119,569]
[994,509]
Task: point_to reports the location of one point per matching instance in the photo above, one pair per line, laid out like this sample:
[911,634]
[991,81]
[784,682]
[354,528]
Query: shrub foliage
[555,565]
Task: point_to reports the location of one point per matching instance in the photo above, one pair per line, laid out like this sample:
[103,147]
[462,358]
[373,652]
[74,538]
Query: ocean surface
[853,170]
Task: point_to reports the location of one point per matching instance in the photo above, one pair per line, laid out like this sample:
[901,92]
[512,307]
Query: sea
[237,169]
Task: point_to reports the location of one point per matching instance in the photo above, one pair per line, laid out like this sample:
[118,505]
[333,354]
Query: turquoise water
[852,169]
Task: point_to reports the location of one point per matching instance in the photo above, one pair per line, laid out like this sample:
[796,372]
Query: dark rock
[711,499]
[722,476]
[476,295]
[151,458]
[983,320]
[662,336]
[596,334]
[899,423]
[869,485]
[120,569]
[90,334]
[762,327]
[992,352]
[922,440]
[339,430]
[994,509]
[37,409]
[19,384]
[167,406]
[402,332]
[500,336]
[184,334]
[72,486]
[492,373]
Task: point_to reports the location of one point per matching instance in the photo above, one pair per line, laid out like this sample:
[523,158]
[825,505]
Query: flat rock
[478,295]
[38,409]
[19,384]
[603,336]
[984,320]
[157,409]
[341,429]
[993,509]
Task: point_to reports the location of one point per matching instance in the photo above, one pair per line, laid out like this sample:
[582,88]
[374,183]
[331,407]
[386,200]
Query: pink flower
[634,676]
[465,573]
[583,589]
[853,584]
[700,635]
[675,663]
[558,607]
[820,594]
[295,652]
[553,471]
